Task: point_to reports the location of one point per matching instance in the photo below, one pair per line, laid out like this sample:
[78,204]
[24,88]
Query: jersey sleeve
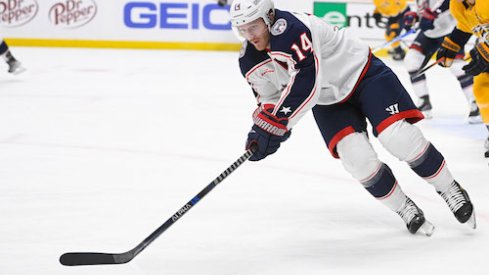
[296,47]
[251,60]
[458,11]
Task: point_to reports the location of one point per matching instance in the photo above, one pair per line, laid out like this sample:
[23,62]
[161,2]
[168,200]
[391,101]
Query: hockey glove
[267,133]
[427,19]
[450,46]
[447,52]
[480,60]
[410,19]
[377,17]
[222,3]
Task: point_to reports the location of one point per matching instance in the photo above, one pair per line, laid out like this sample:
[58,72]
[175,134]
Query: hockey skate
[15,67]
[397,53]
[474,115]
[414,218]
[459,202]
[424,105]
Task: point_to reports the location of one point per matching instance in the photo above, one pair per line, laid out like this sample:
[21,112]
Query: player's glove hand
[410,18]
[222,3]
[267,133]
[447,52]
[480,60]
[377,17]
[427,19]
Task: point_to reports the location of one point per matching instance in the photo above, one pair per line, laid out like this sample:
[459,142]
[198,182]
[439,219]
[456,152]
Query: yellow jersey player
[472,18]
[435,22]
[394,11]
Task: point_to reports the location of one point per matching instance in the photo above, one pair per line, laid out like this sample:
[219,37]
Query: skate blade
[427,229]
[471,221]
[19,71]
[474,120]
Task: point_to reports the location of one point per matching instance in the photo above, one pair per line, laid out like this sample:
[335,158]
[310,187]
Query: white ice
[100,147]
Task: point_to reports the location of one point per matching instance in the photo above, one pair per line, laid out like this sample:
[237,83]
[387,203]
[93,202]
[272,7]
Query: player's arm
[426,15]
[301,93]
[264,91]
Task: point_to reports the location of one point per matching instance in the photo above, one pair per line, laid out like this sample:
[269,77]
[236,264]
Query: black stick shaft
[182,211]
[422,71]
[96,258]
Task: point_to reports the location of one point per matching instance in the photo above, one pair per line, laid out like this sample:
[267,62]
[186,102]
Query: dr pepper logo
[15,13]
[72,13]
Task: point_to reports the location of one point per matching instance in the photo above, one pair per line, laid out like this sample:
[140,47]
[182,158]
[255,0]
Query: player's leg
[343,128]
[481,88]
[417,57]
[406,141]
[466,84]
[14,65]
[392,31]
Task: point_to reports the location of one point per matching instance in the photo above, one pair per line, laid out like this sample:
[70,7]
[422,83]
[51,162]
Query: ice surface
[99,147]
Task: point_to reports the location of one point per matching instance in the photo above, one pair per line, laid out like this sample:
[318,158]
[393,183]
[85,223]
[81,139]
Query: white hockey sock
[442,180]
[420,88]
[395,199]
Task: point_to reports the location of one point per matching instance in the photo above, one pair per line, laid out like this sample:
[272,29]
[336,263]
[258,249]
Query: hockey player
[472,18]
[14,66]
[435,22]
[295,63]
[394,10]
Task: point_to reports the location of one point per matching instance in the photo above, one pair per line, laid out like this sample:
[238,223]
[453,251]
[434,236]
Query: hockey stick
[398,38]
[93,258]
[423,70]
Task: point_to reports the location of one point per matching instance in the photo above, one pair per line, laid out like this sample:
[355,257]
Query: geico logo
[148,15]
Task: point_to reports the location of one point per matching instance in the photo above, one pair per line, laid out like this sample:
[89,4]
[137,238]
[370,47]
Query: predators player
[394,11]
[435,22]
[472,18]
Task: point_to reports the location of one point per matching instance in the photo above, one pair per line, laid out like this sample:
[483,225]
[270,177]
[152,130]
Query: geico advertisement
[157,20]
[176,16]
[142,20]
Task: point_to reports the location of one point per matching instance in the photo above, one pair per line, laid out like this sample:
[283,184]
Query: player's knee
[403,140]
[413,60]
[358,156]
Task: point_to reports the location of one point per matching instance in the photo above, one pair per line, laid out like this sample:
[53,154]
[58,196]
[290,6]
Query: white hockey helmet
[245,11]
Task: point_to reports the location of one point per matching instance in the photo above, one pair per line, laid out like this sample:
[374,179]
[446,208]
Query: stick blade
[88,258]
